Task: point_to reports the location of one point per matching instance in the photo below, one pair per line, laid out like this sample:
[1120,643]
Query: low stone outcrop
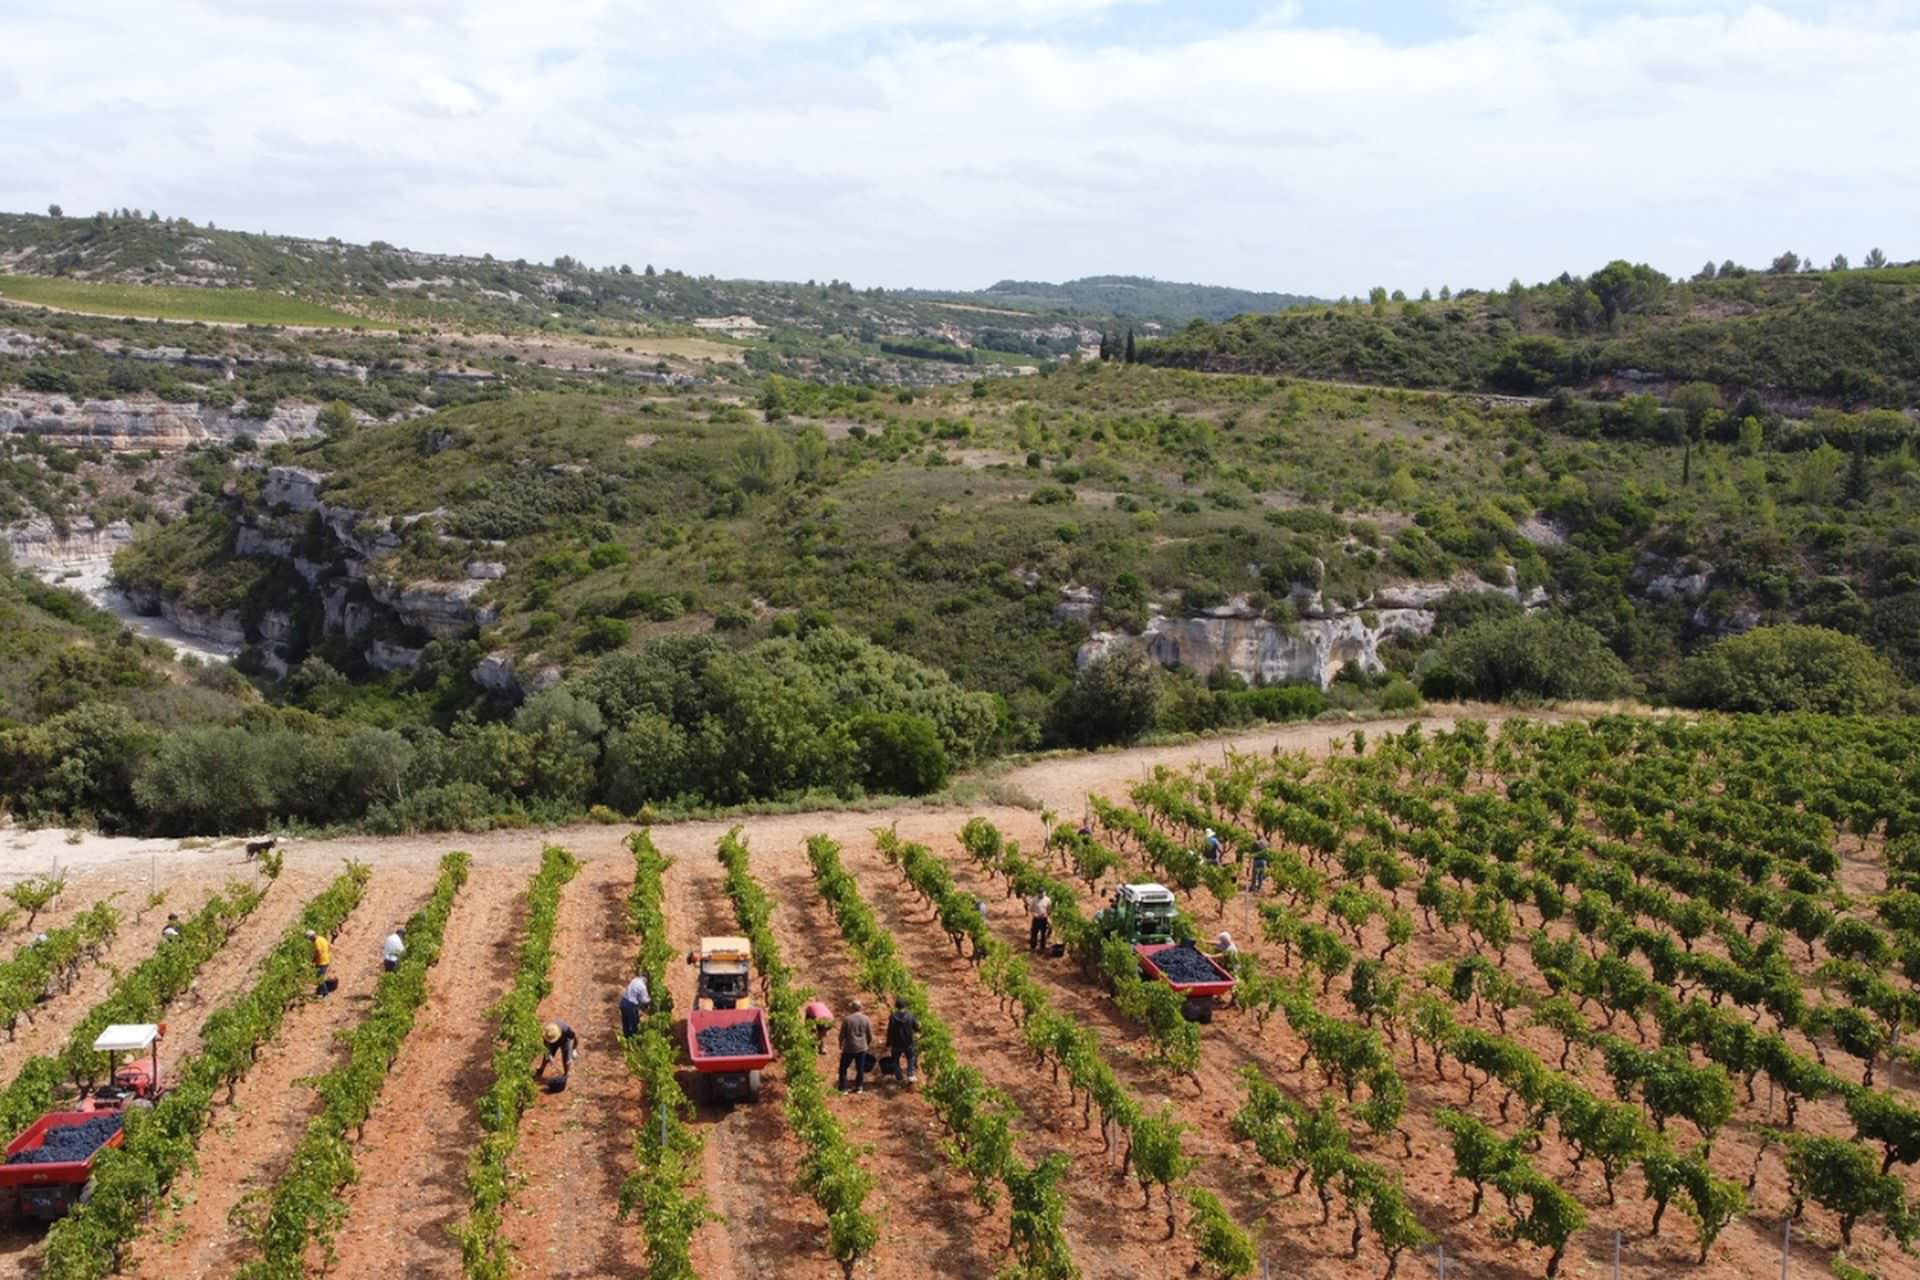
[437,608]
[295,488]
[145,424]
[225,628]
[38,544]
[1257,650]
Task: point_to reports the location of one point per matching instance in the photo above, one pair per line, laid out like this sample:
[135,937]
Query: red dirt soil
[52,1021]
[1287,1229]
[224,977]
[412,1157]
[1110,1238]
[929,1222]
[252,1137]
[576,1147]
[750,1156]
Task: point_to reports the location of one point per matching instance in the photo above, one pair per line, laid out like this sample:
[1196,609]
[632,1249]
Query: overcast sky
[1315,146]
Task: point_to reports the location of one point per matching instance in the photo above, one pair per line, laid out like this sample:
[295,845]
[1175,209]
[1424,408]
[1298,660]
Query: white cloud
[875,141]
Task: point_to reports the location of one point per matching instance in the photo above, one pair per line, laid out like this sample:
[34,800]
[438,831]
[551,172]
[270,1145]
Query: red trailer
[47,1189]
[1200,994]
[735,1076]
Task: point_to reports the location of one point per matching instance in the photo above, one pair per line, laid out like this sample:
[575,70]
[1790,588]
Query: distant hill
[1130,297]
[1842,337]
[814,329]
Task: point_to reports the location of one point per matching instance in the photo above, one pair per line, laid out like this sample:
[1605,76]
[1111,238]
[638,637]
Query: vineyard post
[1786,1245]
[1769,1099]
[1616,1253]
[1440,1260]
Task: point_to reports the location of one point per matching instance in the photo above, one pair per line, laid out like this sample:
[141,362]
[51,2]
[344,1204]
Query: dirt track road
[1059,783]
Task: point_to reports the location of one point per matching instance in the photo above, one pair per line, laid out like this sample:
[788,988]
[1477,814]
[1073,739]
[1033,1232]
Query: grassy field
[156,302]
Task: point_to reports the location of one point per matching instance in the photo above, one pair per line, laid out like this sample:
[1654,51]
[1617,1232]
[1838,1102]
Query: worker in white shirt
[1039,920]
[634,1001]
[391,950]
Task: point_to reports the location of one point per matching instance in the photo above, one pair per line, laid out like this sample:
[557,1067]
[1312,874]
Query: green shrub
[1112,699]
[1282,702]
[1789,668]
[452,806]
[603,635]
[900,753]
[1400,695]
[1525,657]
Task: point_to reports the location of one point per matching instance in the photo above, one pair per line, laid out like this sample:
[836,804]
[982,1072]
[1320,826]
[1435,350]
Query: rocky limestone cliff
[226,629]
[144,423]
[1314,649]
[1259,651]
[344,562]
[37,544]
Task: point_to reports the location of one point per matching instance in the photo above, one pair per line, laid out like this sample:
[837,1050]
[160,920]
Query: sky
[1311,146]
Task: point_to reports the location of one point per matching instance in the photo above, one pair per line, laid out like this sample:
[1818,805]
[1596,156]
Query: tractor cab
[725,969]
[1139,914]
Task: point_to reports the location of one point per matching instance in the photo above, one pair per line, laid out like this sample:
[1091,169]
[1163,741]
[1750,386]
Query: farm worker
[561,1043]
[980,905]
[1213,847]
[856,1043]
[903,1030]
[172,928]
[1259,865]
[322,958]
[1040,926]
[1226,952]
[391,950]
[819,1016]
[634,1001]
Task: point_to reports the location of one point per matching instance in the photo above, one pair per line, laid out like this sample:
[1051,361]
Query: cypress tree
[1129,346]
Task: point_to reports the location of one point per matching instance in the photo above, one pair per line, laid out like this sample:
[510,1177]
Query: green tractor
[1143,915]
[1139,913]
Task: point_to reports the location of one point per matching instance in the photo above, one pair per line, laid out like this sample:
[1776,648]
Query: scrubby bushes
[1114,698]
[684,721]
[1789,668]
[1529,656]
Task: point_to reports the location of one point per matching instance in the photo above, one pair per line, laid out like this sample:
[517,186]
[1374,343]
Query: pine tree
[1858,482]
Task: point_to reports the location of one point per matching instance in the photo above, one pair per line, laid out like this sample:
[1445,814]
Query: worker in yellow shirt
[322,958]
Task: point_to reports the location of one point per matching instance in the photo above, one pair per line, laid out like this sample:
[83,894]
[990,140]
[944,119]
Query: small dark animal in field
[257,847]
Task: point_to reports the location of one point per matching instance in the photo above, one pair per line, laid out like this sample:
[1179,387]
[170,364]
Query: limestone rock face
[1315,650]
[392,657]
[1233,637]
[494,673]
[438,608]
[143,423]
[37,544]
[1077,604]
[225,628]
[295,488]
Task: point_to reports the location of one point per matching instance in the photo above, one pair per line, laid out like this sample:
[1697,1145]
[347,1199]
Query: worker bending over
[560,1042]
[391,950]
[819,1016]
